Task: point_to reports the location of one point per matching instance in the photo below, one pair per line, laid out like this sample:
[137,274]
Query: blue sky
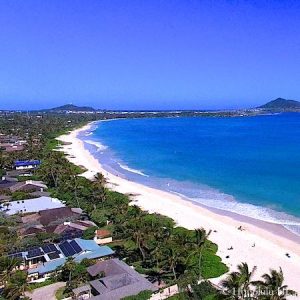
[187,54]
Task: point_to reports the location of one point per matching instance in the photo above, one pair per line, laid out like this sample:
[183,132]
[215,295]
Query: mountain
[74,108]
[281,104]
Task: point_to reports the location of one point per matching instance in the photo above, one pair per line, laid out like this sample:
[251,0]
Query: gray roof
[82,289]
[120,280]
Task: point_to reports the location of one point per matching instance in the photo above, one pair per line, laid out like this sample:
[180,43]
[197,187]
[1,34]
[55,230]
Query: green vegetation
[25,178]
[21,196]
[240,283]
[89,233]
[281,104]
[60,293]
[144,295]
[37,285]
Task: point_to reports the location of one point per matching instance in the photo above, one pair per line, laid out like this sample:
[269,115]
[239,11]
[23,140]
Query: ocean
[245,165]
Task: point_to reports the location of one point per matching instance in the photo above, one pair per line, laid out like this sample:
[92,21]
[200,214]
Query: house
[117,280]
[54,216]
[68,230]
[28,186]
[26,164]
[33,205]
[102,236]
[43,260]
[63,221]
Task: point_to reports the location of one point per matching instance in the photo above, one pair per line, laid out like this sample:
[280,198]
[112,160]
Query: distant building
[119,280]
[26,164]
[11,143]
[41,261]
[11,147]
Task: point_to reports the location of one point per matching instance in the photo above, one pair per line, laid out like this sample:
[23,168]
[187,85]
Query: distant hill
[281,104]
[71,107]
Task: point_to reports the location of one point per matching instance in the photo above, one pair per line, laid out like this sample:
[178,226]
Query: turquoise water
[248,165]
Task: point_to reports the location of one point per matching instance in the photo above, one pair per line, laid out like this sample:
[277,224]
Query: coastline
[271,241]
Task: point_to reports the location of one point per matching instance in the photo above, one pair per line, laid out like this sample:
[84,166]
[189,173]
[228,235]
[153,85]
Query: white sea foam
[99,146]
[124,167]
[252,211]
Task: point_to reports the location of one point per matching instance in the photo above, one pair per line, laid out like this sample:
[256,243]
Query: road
[46,292]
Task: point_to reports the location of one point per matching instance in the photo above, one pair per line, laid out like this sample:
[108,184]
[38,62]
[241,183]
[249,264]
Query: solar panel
[52,247]
[75,246]
[53,255]
[49,248]
[46,248]
[66,249]
[35,253]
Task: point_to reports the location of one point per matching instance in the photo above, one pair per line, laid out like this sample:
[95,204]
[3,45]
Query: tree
[237,284]
[199,244]
[99,188]
[232,285]
[67,269]
[272,286]
[7,266]
[89,233]
[17,285]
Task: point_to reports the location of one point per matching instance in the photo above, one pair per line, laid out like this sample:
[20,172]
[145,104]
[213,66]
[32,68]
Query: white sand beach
[257,245]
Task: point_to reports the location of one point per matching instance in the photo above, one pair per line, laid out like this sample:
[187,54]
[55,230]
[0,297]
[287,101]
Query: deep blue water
[250,165]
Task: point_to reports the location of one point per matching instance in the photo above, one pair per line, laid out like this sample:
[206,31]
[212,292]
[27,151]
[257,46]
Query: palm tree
[245,274]
[272,286]
[201,238]
[7,266]
[99,184]
[237,284]
[99,178]
[17,286]
[232,285]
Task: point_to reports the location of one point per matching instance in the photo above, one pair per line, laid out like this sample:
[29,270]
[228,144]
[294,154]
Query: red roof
[102,233]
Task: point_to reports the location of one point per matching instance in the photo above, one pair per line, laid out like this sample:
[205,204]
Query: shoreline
[260,244]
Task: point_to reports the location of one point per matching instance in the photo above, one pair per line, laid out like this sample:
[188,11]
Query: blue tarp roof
[97,253]
[48,267]
[21,163]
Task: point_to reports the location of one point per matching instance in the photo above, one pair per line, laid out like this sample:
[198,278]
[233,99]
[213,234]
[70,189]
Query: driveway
[46,292]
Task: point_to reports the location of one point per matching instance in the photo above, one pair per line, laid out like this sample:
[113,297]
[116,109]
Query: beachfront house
[42,261]
[26,164]
[113,280]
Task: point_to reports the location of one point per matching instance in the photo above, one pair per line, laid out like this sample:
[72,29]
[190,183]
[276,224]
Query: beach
[258,243]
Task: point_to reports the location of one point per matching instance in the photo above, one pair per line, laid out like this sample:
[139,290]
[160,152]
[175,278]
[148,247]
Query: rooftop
[102,233]
[28,185]
[22,163]
[120,280]
[55,255]
[33,205]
